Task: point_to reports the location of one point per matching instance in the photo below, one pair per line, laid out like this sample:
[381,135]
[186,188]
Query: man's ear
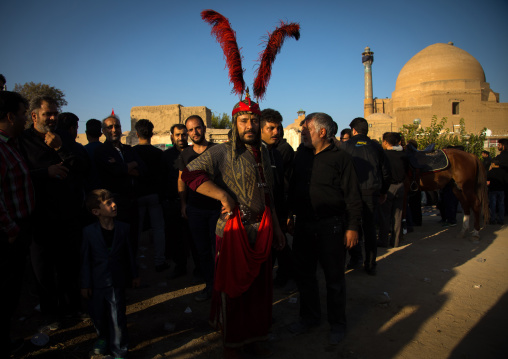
[95,211]
[322,133]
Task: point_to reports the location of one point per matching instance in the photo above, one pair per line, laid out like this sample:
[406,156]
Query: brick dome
[439,62]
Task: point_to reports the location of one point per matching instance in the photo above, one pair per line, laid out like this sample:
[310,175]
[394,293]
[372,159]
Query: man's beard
[199,141]
[44,128]
[252,142]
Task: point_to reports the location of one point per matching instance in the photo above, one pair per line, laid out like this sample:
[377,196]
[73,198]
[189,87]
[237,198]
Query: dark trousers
[391,215]
[370,206]
[284,263]
[202,223]
[177,234]
[107,310]
[320,240]
[55,262]
[12,266]
[128,213]
[414,202]
[448,205]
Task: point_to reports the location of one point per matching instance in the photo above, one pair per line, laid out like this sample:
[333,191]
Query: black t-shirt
[193,198]
[150,183]
[399,165]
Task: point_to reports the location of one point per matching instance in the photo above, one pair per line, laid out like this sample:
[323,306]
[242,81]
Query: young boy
[496,183]
[108,267]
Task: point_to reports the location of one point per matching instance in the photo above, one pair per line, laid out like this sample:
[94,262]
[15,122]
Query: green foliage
[31,90]
[223,121]
[440,135]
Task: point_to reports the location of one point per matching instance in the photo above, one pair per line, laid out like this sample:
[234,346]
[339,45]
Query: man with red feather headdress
[238,174]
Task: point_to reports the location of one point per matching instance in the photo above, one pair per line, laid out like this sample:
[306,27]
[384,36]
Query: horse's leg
[477,209]
[462,197]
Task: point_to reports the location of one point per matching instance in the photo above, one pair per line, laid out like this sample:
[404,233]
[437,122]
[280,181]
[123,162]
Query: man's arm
[210,189]
[182,194]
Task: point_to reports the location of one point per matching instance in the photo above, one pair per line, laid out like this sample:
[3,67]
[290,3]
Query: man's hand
[86,292]
[350,238]
[183,209]
[279,239]
[228,205]
[53,140]
[382,198]
[291,225]
[58,171]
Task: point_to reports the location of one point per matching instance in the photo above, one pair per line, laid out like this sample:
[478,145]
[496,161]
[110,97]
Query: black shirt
[55,198]
[370,163]
[399,165]
[150,183]
[288,155]
[112,168]
[325,185]
[497,178]
[169,164]
[193,198]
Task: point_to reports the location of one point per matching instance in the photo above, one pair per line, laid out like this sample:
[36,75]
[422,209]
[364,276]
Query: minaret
[368,102]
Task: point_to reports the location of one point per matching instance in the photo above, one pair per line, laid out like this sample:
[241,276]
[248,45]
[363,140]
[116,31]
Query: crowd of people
[78,213]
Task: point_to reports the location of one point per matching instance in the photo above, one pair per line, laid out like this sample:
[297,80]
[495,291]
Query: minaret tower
[368,102]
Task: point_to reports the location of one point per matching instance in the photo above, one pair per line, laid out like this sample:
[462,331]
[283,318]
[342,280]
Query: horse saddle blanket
[429,161]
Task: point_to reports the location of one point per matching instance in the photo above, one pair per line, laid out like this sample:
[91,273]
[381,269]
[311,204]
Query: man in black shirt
[148,191]
[177,227]
[56,170]
[201,211]
[325,198]
[271,124]
[391,210]
[374,178]
[119,168]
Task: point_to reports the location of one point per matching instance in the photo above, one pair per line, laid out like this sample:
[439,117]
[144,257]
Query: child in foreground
[108,267]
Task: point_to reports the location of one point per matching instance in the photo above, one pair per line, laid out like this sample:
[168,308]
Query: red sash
[237,262]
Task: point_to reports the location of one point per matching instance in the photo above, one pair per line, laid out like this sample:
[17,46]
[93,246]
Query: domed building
[442,80]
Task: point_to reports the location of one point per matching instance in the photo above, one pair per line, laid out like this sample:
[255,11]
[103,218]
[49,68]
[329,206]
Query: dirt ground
[437,296]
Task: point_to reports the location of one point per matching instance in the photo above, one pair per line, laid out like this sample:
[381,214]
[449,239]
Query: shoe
[258,349]
[177,273]
[354,263]
[162,267]
[371,270]
[52,326]
[203,296]
[280,281]
[298,327]
[15,345]
[449,224]
[99,347]
[336,337]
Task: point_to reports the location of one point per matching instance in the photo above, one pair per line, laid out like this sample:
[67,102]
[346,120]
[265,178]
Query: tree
[224,121]
[437,133]
[31,90]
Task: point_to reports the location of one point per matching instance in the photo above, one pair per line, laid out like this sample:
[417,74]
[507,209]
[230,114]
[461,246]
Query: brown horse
[470,179]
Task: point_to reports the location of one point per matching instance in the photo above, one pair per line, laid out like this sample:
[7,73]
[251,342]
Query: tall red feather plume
[226,37]
[266,59]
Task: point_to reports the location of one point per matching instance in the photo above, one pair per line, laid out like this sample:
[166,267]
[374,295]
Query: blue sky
[119,54]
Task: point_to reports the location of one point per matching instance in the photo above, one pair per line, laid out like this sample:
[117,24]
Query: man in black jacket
[271,124]
[325,198]
[373,172]
[391,210]
[119,168]
[56,170]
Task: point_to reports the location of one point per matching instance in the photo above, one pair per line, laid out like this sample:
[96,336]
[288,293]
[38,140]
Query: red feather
[273,46]
[226,37]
